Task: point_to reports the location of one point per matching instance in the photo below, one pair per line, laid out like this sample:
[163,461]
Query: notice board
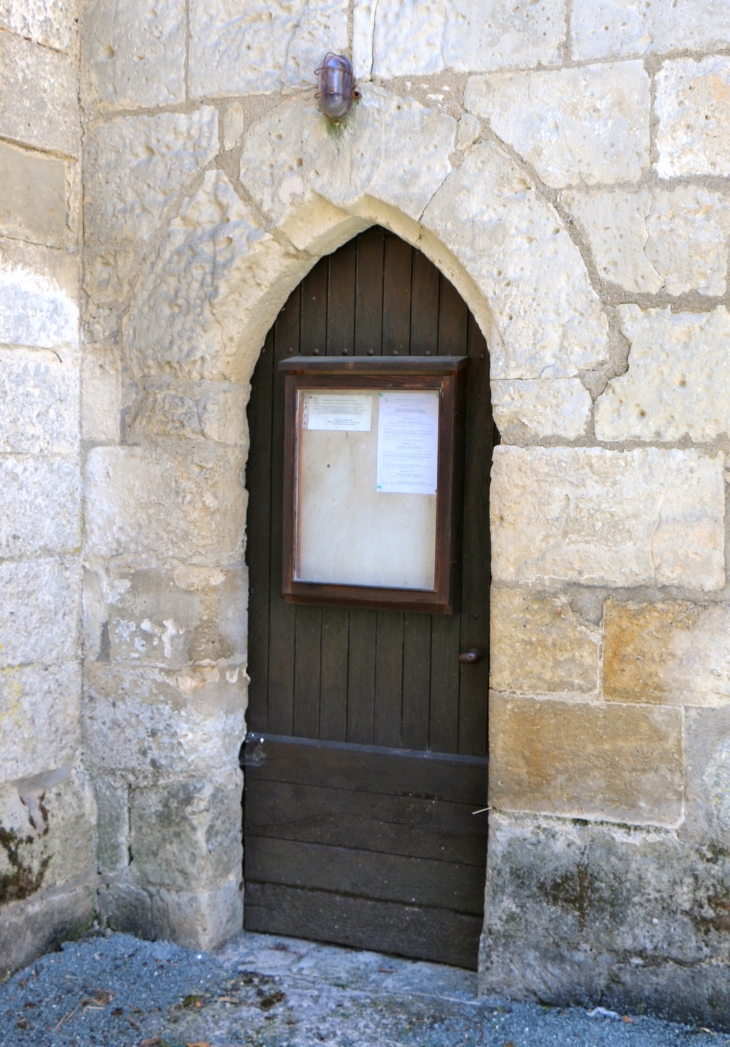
[372,481]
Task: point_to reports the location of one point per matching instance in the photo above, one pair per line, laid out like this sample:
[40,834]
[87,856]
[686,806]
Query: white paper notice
[408,442]
[338,412]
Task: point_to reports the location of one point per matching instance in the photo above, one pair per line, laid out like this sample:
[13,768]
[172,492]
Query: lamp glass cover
[334,86]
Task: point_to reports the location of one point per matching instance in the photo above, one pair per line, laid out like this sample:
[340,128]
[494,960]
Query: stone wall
[566,165]
[47,811]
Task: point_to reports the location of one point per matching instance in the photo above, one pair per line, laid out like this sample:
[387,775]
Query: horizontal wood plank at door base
[366,874]
[404,930]
[332,828]
[404,825]
[447,375]
[368,768]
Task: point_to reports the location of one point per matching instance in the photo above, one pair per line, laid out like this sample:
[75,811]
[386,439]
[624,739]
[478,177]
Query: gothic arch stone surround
[217,256]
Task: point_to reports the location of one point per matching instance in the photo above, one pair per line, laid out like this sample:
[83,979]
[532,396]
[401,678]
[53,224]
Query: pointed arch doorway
[367,744]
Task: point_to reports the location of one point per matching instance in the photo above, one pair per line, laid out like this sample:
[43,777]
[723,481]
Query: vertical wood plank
[314,309]
[474,679]
[313,336]
[369,292]
[443,726]
[282,618]
[341,300]
[342,277]
[453,333]
[453,321]
[258,537]
[363,624]
[388,678]
[397,270]
[333,697]
[307,671]
[397,263]
[424,306]
[416,679]
[361,677]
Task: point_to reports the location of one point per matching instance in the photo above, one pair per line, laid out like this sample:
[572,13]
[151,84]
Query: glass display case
[373,453]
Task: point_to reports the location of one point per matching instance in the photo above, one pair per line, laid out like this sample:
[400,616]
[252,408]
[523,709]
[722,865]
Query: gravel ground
[263,991]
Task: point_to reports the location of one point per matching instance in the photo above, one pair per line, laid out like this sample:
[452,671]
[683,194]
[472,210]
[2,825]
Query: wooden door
[366,753]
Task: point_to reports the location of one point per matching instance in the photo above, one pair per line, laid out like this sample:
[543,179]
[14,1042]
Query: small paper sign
[338,412]
[408,442]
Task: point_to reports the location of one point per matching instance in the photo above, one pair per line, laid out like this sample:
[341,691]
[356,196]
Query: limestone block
[707,754]
[222,413]
[100,397]
[38,296]
[43,87]
[39,924]
[263,47]
[627,916]
[40,603]
[48,22]
[272,159]
[41,506]
[112,805]
[577,126]
[363,28]
[694,118]
[671,652]
[163,413]
[232,125]
[165,724]
[33,204]
[214,410]
[50,818]
[219,275]
[613,762]
[193,919]
[173,621]
[665,240]
[514,246]
[39,394]
[394,38]
[135,169]
[135,166]
[99,589]
[688,231]
[538,646]
[200,919]
[100,320]
[678,381]
[135,53]
[551,407]
[144,507]
[39,717]
[597,517]
[187,834]
[272,170]
[604,28]
[391,148]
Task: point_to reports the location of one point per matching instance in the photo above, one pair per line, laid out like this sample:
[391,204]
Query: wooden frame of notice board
[373,481]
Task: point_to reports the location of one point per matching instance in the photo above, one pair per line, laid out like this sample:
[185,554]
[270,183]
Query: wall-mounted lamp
[335,86]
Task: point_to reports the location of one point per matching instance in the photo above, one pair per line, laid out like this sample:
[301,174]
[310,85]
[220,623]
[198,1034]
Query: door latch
[470,657]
